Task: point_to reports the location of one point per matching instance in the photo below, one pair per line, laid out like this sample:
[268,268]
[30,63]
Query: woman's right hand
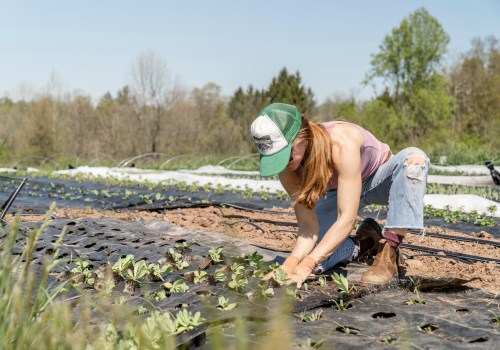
[288,267]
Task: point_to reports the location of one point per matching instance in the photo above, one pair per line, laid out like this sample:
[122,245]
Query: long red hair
[317,164]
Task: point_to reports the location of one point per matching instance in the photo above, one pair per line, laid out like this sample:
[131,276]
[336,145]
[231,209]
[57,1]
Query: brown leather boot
[384,267]
[368,234]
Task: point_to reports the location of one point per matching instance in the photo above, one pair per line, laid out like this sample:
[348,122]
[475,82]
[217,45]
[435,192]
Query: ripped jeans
[397,183]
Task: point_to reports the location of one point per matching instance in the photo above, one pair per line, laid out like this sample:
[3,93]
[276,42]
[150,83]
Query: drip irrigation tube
[449,253]
[458,238]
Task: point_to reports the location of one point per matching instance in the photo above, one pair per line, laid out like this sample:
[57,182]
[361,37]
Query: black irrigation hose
[441,256]
[458,238]
[449,253]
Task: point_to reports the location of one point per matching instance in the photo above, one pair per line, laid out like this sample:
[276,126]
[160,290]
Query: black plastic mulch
[451,317]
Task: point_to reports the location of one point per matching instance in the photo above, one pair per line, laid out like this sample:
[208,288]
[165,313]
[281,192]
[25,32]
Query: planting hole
[462,310]
[429,328]
[71,223]
[180,306]
[479,340]
[204,293]
[90,245]
[384,315]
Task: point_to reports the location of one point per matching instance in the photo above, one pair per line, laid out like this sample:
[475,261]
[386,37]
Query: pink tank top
[373,153]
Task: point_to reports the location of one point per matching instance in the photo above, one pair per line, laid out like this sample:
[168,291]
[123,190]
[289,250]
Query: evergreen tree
[288,88]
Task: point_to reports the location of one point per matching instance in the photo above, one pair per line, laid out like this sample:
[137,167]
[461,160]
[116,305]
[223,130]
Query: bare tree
[152,88]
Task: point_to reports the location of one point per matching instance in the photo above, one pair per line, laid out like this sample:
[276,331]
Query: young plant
[177,259]
[416,289]
[342,283]
[322,281]
[224,304]
[82,272]
[122,265]
[305,317]
[238,282]
[216,255]
[200,276]
[186,321]
[280,276]
[179,286]
[219,276]
[158,271]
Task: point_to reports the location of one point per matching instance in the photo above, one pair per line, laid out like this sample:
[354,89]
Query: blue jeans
[397,184]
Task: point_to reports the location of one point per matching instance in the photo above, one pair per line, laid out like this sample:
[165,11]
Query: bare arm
[307,220]
[346,144]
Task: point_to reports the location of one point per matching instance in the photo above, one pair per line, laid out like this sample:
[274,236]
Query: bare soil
[275,231]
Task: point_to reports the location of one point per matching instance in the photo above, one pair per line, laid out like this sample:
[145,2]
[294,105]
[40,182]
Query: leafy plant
[416,289]
[122,265]
[186,321]
[238,282]
[311,317]
[280,276]
[224,304]
[216,254]
[219,276]
[177,259]
[342,283]
[140,269]
[159,271]
[82,272]
[200,276]
[179,286]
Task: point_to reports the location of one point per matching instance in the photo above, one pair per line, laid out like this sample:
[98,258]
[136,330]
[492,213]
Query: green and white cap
[273,132]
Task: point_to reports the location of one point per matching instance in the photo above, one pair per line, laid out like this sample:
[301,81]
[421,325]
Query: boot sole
[392,280]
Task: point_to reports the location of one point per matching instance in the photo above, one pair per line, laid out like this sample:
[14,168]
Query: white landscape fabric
[213,175]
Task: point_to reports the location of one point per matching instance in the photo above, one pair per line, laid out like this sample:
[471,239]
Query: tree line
[451,111]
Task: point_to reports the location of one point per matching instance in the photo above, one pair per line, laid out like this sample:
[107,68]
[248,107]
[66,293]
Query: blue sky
[91,45]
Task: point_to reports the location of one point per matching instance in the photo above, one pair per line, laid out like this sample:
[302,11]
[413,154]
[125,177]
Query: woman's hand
[303,270]
[288,267]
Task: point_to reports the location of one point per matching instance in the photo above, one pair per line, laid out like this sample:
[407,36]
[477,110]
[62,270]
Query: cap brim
[275,163]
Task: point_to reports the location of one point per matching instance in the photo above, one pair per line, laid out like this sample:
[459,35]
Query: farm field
[181,263]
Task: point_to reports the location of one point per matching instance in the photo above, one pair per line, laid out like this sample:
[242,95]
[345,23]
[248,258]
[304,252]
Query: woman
[330,171]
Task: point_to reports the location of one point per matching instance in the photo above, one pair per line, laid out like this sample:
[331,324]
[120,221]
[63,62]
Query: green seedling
[237,267]
[238,282]
[322,281]
[82,272]
[416,289]
[161,295]
[216,254]
[140,269]
[159,271]
[184,246]
[342,283]
[389,339]
[176,257]
[219,189]
[342,305]
[224,304]
[186,321]
[200,276]
[305,317]
[219,276]
[280,276]
[179,286]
